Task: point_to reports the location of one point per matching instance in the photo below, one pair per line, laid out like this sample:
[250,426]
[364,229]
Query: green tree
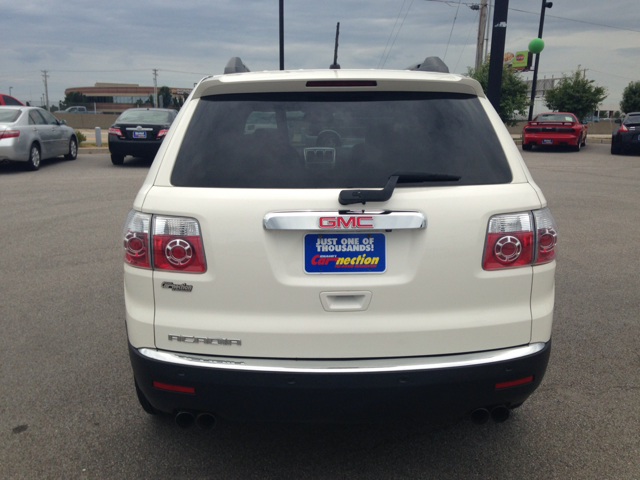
[513,92]
[575,94]
[165,93]
[616,114]
[631,98]
[73,98]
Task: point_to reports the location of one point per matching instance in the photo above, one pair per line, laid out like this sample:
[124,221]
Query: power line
[465,42]
[578,21]
[447,2]
[391,34]
[611,74]
[398,33]
[451,32]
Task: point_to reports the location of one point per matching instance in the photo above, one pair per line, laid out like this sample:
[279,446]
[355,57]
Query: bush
[80,136]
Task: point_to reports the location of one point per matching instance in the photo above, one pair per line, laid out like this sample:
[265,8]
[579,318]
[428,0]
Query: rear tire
[117,159]
[527,146]
[576,147]
[144,403]
[73,149]
[33,163]
[615,149]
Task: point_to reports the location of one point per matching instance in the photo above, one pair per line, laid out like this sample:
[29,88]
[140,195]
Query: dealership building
[117,97]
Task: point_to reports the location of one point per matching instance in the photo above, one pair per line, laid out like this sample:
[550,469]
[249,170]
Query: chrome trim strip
[343,366]
[310,220]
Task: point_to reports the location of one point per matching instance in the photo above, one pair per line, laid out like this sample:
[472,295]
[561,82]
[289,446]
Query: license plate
[345,253]
[547,141]
[139,134]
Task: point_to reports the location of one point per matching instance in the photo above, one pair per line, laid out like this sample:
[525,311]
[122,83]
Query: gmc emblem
[346,222]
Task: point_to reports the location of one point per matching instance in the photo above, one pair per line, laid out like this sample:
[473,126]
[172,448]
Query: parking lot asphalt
[68,406]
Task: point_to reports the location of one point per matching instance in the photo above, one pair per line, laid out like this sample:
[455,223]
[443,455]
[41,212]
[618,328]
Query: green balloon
[536,45]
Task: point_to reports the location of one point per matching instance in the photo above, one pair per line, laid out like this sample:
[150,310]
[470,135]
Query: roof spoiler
[235,65]
[430,64]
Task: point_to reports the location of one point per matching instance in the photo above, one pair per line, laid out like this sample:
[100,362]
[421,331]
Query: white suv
[338,245]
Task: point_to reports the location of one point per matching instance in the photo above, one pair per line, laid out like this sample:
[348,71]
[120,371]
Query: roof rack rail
[430,64]
[235,65]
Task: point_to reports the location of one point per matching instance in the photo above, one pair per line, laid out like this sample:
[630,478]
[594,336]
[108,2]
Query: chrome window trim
[309,220]
[380,365]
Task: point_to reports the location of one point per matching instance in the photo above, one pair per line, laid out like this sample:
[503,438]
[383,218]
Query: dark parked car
[626,137]
[139,132]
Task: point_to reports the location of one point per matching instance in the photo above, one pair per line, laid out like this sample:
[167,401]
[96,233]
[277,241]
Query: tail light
[623,128]
[163,243]
[177,245]
[162,133]
[115,131]
[519,239]
[136,239]
[9,133]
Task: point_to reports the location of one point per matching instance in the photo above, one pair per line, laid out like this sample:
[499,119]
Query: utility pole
[281,17]
[545,5]
[482,22]
[46,89]
[500,12]
[155,87]
[487,32]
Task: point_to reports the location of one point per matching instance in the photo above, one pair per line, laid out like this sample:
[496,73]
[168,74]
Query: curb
[89,150]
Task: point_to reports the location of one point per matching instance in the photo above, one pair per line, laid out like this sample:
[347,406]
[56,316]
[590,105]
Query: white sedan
[30,134]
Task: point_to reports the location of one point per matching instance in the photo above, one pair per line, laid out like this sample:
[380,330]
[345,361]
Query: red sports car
[554,128]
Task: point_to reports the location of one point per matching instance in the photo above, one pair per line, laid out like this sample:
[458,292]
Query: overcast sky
[80,43]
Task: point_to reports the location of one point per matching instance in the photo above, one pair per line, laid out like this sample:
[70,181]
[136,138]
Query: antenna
[334,65]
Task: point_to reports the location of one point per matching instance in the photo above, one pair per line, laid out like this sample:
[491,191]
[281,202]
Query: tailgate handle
[345,301]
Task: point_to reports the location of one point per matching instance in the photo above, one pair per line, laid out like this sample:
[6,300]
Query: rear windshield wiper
[348,197]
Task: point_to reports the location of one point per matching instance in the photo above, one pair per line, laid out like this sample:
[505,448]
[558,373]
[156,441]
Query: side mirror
[618,120]
[62,122]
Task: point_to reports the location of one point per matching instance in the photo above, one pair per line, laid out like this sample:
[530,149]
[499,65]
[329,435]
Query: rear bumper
[135,148]
[629,141]
[556,139]
[416,388]
[13,150]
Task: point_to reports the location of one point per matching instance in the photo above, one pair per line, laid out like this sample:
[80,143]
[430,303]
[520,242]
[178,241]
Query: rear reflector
[513,383]
[174,388]
[342,83]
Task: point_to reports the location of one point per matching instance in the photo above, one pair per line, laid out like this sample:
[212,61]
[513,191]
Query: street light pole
[545,5]
[10,90]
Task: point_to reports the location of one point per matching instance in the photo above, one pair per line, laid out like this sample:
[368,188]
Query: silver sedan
[30,134]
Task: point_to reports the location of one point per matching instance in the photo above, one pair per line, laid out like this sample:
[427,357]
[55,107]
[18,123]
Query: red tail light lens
[519,239]
[546,236]
[9,133]
[509,241]
[163,133]
[623,128]
[177,245]
[136,239]
[115,131]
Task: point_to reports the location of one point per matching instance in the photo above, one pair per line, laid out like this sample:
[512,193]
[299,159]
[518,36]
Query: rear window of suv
[337,140]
